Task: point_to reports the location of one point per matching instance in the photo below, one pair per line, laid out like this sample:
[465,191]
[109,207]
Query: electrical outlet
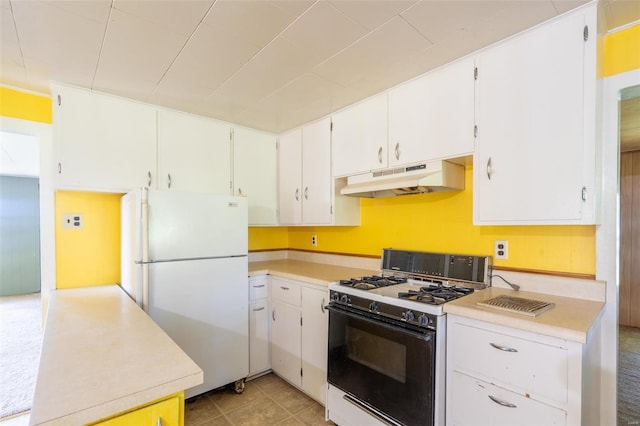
[314,240]
[72,221]
[501,250]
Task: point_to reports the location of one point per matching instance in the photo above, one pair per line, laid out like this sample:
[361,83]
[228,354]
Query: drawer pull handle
[261,308]
[503,348]
[501,402]
[322,306]
[284,288]
[258,286]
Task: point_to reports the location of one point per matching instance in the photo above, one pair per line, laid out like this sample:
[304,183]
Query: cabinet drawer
[532,368]
[258,288]
[480,403]
[285,291]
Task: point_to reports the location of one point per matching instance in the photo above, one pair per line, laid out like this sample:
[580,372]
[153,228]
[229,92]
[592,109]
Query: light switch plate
[501,251]
[72,221]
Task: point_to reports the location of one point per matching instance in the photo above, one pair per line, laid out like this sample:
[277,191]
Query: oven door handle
[403,327]
[369,411]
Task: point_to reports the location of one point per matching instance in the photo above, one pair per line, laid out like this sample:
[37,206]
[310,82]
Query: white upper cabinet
[290,177]
[317,184]
[194,153]
[255,170]
[360,134]
[102,142]
[534,160]
[307,191]
[432,117]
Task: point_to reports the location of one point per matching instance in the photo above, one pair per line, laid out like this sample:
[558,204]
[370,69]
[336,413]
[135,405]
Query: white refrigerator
[184,261]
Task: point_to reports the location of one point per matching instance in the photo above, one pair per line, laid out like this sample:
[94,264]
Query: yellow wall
[268,238]
[26,106]
[91,255]
[622,51]
[443,222]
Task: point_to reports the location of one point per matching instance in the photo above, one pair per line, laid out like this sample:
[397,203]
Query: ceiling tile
[622,12]
[9,45]
[255,21]
[179,93]
[293,7]
[210,57]
[129,87]
[39,73]
[563,6]
[514,18]
[219,107]
[300,92]
[310,30]
[276,65]
[181,17]
[372,14]
[96,10]
[135,50]
[394,41]
[438,20]
[54,36]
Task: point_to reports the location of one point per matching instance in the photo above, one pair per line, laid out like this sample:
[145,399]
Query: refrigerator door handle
[186,259]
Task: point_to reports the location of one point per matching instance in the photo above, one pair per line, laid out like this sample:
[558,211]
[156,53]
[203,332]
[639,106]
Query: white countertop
[102,355]
[316,273]
[569,319]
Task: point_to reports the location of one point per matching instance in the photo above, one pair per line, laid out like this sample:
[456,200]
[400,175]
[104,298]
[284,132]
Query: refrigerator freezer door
[202,306]
[185,225]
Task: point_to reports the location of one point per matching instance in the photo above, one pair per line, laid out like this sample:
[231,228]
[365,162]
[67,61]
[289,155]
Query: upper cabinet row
[429,118]
[107,143]
[524,108]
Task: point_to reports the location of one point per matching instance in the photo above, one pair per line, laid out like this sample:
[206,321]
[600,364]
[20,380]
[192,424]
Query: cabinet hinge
[475,73]
[301,372]
[331,126]
[300,321]
[59,168]
[475,131]
[584,193]
[277,145]
[585,33]
[59,100]
[331,210]
[231,184]
[230,135]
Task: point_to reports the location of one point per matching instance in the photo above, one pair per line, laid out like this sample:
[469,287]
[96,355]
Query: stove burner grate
[435,295]
[371,282]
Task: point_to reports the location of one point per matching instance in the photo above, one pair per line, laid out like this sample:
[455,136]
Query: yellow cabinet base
[165,412]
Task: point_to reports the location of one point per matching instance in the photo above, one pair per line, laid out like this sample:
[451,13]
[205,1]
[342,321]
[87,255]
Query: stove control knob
[335,296]
[408,316]
[423,320]
[344,298]
[373,306]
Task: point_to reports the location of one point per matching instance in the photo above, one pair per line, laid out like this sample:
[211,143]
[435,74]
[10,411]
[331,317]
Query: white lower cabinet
[259,335]
[285,330]
[299,335]
[315,332]
[497,375]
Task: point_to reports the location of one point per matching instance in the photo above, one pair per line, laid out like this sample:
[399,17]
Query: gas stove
[417,281]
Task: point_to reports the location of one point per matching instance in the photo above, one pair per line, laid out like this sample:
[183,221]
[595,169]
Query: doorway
[628,372]
[19,214]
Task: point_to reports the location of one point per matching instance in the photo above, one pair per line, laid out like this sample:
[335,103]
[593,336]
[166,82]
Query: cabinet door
[529,157]
[289,178]
[316,173]
[259,351]
[433,117]
[359,137]
[315,335]
[194,153]
[255,173]
[165,413]
[285,342]
[103,142]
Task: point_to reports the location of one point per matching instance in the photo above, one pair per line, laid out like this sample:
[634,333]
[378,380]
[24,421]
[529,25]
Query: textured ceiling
[270,65]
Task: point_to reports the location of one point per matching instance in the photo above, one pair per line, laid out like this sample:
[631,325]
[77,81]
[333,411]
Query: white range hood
[431,176]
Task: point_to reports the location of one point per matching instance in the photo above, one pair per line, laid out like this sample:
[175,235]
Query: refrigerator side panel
[202,305]
[186,225]
[130,272]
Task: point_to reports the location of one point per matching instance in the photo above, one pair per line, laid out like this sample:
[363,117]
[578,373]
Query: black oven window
[382,355]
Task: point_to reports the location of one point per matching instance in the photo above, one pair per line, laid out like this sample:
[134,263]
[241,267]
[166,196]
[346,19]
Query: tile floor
[267,400]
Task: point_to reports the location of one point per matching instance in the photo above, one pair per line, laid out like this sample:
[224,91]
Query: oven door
[384,364]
